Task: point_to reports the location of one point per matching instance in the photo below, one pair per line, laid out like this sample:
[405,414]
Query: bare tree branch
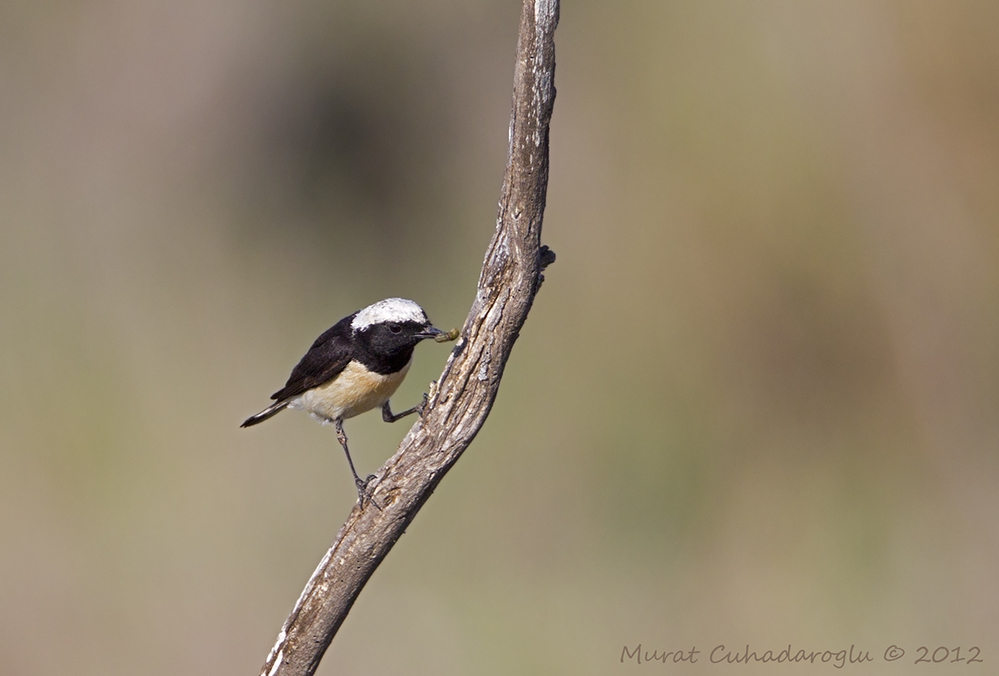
[459,404]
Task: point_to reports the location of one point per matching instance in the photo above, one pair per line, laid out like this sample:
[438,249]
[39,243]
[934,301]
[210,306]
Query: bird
[356,366]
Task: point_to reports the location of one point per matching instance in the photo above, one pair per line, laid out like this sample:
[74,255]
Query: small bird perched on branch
[356,366]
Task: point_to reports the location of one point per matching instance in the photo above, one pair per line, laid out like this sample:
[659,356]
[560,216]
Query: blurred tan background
[755,401]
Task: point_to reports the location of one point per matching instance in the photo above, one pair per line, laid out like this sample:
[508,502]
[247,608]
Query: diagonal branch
[460,402]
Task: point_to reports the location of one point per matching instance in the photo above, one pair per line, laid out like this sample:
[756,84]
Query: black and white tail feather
[268,412]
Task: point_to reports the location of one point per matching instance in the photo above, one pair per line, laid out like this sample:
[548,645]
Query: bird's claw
[364,493]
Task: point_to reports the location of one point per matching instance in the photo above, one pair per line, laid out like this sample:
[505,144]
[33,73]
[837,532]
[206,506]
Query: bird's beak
[429,332]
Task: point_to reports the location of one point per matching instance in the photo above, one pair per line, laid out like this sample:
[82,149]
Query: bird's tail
[271,410]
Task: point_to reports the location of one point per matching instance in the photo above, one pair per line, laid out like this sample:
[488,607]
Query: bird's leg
[362,484]
[390,417]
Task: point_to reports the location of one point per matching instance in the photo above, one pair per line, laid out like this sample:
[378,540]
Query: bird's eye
[395,328]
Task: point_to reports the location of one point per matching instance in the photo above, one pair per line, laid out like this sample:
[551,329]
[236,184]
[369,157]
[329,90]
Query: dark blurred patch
[354,136]
[354,146]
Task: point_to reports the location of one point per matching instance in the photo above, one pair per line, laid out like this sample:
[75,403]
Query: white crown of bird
[389,310]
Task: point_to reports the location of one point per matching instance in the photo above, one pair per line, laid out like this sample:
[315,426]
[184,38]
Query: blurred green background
[755,402]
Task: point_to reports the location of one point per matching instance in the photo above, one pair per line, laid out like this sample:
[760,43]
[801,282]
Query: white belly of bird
[355,391]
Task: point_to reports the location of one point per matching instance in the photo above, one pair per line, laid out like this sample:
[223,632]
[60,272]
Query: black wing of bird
[327,357]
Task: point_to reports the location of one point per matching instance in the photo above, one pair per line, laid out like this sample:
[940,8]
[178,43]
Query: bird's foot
[364,493]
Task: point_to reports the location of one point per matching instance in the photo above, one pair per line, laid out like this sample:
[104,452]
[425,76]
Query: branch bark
[460,402]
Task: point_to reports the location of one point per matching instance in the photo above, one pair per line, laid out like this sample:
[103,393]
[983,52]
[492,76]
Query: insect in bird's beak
[448,337]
